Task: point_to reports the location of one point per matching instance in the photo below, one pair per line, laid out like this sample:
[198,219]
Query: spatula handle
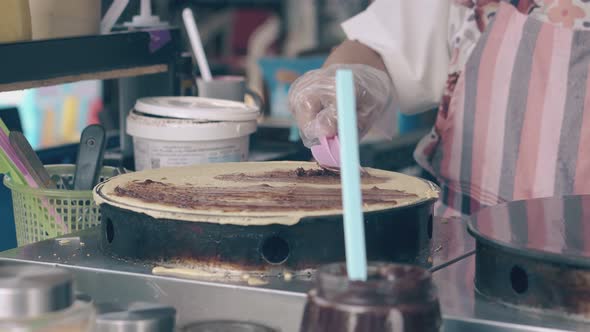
[90,157]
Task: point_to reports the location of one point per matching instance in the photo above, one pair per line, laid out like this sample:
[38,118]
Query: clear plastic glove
[312,100]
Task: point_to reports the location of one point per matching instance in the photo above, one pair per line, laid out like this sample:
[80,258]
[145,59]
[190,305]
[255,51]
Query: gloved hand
[312,100]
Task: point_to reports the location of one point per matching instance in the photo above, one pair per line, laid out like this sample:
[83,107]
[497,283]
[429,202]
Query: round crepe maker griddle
[535,255]
[398,234]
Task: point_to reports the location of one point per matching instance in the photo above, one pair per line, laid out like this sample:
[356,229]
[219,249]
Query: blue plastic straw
[354,230]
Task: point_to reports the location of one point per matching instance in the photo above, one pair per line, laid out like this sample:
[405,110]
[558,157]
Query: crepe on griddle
[254,193]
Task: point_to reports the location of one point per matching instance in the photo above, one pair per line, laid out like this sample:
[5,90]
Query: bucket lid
[197,108]
[169,129]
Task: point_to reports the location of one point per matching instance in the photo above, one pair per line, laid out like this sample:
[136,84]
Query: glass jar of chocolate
[395,298]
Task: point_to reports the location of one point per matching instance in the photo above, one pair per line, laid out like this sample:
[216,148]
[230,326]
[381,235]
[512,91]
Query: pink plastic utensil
[327,153]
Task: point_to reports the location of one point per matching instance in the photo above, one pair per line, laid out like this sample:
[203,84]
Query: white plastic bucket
[169,142]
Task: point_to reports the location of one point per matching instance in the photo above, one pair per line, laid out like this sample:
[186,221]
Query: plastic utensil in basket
[7,166]
[76,208]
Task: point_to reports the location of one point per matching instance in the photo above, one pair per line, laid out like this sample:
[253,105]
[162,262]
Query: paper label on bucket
[156,154]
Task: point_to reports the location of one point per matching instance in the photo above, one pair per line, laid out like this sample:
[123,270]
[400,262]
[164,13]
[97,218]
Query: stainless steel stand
[278,303]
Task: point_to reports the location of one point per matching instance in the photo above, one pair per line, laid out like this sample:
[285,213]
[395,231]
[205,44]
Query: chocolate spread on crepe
[298,175]
[261,197]
[253,193]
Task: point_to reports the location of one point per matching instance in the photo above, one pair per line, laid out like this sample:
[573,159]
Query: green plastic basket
[36,210]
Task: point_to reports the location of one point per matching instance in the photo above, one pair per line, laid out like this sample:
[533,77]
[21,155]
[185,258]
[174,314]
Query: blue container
[408,123]
[279,73]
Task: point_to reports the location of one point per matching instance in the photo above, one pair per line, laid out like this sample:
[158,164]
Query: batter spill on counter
[234,199]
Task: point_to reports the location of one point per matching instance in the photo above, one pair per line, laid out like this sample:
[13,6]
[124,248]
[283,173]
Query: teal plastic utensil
[350,174]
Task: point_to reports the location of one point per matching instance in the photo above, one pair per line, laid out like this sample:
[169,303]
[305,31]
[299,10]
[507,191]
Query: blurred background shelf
[57,61]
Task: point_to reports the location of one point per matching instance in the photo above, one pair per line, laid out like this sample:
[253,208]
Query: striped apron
[518,120]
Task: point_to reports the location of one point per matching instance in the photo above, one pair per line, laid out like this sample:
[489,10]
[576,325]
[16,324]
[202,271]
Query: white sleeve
[412,37]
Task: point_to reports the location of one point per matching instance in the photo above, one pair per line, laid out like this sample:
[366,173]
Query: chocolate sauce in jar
[395,298]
